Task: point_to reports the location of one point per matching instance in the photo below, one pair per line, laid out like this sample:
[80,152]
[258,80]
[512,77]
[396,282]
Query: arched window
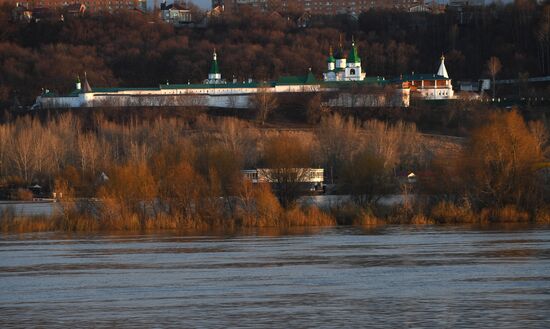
[352,72]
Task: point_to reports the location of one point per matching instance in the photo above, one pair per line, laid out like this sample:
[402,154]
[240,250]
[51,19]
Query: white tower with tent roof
[442,69]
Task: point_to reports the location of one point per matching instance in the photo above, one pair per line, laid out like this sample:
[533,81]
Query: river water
[392,277]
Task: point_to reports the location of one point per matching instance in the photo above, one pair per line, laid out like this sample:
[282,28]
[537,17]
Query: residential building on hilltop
[176,14]
[324,7]
[90,5]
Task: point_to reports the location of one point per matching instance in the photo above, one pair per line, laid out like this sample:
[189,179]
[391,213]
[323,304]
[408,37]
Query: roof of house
[295,80]
[417,76]
[75,7]
[365,81]
[176,6]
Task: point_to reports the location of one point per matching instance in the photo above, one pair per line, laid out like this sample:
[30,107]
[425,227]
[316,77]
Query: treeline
[172,173]
[177,174]
[134,49]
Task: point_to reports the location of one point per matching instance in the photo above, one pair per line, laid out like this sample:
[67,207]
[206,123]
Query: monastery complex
[343,73]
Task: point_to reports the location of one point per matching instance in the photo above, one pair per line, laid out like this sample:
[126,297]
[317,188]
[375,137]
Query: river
[391,277]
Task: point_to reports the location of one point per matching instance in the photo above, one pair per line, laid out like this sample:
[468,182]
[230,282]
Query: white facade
[175,14]
[264,175]
[430,86]
[437,93]
[216,92]
[224,96]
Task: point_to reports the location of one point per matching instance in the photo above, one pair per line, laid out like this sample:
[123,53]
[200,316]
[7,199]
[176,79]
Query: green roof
[213,85]
[296,80]
[331,56]
[366,81]
[214,68]
[353,55]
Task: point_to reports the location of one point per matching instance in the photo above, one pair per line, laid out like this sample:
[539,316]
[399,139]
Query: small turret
[214,74]
[340,57]
[442,69]
[353,57]
[87,88]
[331,61]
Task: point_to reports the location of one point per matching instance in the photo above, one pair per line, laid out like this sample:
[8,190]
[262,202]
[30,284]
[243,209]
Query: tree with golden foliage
[129,195]
[500,159]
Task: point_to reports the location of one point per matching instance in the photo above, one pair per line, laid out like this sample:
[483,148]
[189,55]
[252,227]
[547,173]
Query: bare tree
[264,101]
[89,150]
[287,159]
[494,66]
[339,139]
[543,37]
[5,133]
[22,154]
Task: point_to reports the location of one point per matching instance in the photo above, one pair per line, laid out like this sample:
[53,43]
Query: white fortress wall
[212,97]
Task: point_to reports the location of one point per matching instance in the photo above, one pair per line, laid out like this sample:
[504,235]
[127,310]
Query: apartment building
[324,7]
[91,5]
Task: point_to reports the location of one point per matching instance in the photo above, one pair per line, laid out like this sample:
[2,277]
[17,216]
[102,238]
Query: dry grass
[310,216]
[543,216]
[507,214]
[367,218]
[421,219]
[27,224]
[450,213]
[266,214]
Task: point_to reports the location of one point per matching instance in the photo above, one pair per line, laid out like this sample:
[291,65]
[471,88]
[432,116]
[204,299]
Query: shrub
[448,212]
[506,214]
[23,194]
[311,216]
[367,218]
[421,219]
[543,216]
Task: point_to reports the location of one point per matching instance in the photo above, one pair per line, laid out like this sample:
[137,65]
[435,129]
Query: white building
[436,86]
[175,14]
[310,176]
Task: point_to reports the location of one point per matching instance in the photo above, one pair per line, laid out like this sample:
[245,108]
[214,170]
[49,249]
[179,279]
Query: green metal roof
[366,81]
[116,89]
[353,56]
[331,56]
[297,80]
[211,85]
[214,68]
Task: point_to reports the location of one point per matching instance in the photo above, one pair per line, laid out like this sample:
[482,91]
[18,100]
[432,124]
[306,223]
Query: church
[341,68]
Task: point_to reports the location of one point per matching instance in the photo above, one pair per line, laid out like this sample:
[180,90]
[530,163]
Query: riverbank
[67,219]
